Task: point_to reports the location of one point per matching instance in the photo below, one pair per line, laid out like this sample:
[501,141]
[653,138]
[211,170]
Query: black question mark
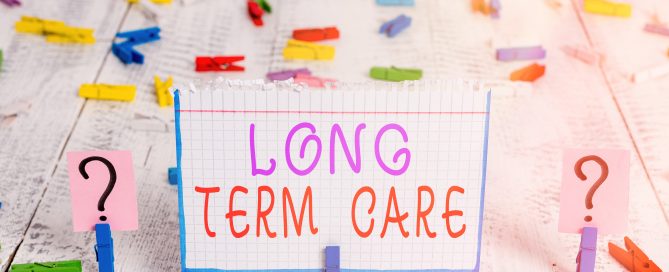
[110,185]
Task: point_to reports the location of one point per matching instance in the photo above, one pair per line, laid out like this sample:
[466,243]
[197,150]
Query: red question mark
[600,180]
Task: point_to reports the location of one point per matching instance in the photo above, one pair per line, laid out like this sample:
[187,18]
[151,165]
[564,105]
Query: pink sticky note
[609,201]
[120,206]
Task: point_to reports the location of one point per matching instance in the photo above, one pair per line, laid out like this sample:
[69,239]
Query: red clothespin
[218,64]
[316,34]
[255,12]
[633,258]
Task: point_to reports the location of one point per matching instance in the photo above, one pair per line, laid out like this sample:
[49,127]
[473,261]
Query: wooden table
[574,105]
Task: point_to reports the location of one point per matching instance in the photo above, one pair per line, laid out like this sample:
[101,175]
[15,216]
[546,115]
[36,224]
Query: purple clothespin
[395,26]
[657,29]
[588,249]
[11,3]
[521,53]
[496,6]
[332,259]
[286,74]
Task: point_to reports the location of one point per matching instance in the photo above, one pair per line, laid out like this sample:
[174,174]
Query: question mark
[110,185]
[600,180]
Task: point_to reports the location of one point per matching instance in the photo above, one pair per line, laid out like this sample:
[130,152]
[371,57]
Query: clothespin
[163,91]
[316,34]
[520,53]
[104,249]
[218,64]
[173,175]
[657,29]
[395,26]
[108,92]
[1,59]
[650,73]
[286,74]
[528,73]
[588,249]
[264,5]
[55,31]
[581,53]
[605,7]
[162,1]
[312,81]
[11,3]
[255,12]
[307,51]
[62,266]
[125,51]
[395,74]
[633,258]
[495,7]
[332,259]
[481,6]
[395,3]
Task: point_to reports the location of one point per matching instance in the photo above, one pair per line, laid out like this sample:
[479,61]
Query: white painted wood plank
[39,105]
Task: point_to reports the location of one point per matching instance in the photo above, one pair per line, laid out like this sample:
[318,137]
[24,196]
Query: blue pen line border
[182,228]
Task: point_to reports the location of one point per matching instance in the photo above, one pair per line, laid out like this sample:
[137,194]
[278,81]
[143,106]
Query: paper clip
[409,3]
[312,81]
[163,91]
[307,51]
[395,26]
[104,249]
[528,73]
[108,92]
[287,74]
[62,266]
[581,53]
[605,7]
[657,29]
[633,258]
[264,5]
[55,31]
[651,73]
[255,12]
[520,53]
[11,3]
[218,64]
[332,259]
[173,175]
[395,74]
[316,34]
[587,250]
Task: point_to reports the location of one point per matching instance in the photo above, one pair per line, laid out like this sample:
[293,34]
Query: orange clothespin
[316,34]
[633,258]
[528,73]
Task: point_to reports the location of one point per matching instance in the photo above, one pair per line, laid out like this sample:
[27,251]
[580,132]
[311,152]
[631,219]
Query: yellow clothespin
[108,92]
[605,7]
[163,91]
[55,31]
[34,25]
[161,1]
[307,51]
[133,1]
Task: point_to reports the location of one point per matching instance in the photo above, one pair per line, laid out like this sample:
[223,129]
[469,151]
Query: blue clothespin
[395,3]
[141,36]
[173,174]
[126,53]
[395,26]
[104,249]
[588,249]
[332,259]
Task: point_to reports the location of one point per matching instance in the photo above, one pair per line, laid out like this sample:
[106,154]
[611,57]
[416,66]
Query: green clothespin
[395,74]
[264,5]
[1,70]
[62,266]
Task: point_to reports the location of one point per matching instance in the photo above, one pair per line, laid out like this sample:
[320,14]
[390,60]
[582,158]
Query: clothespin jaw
[587,250]
[316,34]
[633,258]
[62,266]
[218,64]
[126,53]
[395,74]
[529,73]
[140,36]
[105,248]
[287,74]
[163,91]
[307,51]
[395,26]
[264,5]
[255,12]
[332,259]
[605,7]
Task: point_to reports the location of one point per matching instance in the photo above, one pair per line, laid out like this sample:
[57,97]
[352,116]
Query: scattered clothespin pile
[633,258]
[287,74]
[125,51]
[395,26]
[108,92]
[62,266]
[409,3]
[11,3]
[218,64]
[605,7]
[163,94]
[55,31]
[395,74]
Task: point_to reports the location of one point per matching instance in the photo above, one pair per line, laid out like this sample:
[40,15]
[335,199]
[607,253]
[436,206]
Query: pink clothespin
[313,81]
